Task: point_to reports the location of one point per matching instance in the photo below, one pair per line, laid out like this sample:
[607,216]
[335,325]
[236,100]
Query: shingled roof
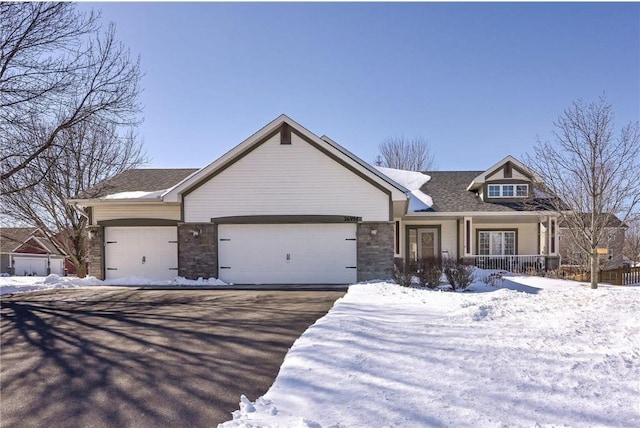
[448,189]
[133,180]
[13,237]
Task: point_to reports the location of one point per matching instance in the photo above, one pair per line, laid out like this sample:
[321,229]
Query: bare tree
[89,153]
[590,172]
[413,154]
[57,70]
[632,242]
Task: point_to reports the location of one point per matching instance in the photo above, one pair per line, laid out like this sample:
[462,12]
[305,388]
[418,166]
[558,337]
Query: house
[610,248]
[486,218]
[26,251]
[288,206]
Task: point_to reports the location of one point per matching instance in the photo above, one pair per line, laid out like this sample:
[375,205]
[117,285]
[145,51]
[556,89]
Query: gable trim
[515,164]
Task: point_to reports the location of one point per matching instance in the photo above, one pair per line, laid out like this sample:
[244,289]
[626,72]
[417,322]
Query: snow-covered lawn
[560,354]
[20,284]
[531,352]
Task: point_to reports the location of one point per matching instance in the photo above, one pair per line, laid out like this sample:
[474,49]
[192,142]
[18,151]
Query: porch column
[552,236]
[467,236]
[556,237]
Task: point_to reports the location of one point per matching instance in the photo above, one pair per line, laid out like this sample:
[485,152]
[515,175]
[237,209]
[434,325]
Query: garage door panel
[287,253]
[30,266]
[149,252]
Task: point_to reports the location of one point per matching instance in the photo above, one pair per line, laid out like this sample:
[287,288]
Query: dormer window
[508,190]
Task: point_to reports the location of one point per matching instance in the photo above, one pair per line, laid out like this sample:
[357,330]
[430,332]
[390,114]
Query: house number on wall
[352,219]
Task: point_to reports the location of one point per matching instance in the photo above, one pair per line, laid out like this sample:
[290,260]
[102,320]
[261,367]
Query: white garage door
[30,266]
[287,253]
[149,252]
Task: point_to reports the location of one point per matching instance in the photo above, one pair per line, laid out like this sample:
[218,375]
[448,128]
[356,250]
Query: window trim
[515,243]
[513,195]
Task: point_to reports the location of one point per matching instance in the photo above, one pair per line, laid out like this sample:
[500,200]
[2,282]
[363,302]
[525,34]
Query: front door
[427,243]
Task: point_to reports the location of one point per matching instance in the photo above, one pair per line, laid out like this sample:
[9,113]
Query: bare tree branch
[591,172]
[412,154]
[57,70]
[90,153]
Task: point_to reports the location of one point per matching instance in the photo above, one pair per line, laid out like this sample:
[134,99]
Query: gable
[284,128]
[508,169]
[294,175]
[31,246]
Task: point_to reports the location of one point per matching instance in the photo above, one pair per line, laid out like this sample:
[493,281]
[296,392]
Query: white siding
[527,235]
[119,211]
[295,179]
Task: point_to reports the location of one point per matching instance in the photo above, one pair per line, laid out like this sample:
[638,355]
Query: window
[508,190]
[522,190]
[496,243]
[494,191]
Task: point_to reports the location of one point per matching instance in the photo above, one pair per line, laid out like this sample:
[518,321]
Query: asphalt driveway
[114,357]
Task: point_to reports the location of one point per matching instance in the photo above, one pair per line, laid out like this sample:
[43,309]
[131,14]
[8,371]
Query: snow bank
[19,284]
[561,355]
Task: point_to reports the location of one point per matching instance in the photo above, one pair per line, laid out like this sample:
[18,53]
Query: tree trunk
[81,269]
[594,268]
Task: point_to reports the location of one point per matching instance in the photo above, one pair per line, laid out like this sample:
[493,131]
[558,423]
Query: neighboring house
[26,251]
[611,247]
[288,206]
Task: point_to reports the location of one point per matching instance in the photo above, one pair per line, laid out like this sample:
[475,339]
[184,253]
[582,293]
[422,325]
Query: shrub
[429,271]
[458,274]
[403,272]
[493,279]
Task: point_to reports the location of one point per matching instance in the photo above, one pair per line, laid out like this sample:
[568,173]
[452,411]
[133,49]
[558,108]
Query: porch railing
[515,264]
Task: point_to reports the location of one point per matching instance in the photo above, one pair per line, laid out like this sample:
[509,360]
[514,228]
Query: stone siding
[96,251]
[197,250]
[375,250]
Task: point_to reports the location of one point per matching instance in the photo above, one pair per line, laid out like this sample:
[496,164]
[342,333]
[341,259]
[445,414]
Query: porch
[523,242]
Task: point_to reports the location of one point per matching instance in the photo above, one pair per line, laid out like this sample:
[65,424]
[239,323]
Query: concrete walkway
[122,357]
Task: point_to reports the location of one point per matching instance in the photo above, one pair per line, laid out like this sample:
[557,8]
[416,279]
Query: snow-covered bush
[459,275]
[403,272]
[429,271]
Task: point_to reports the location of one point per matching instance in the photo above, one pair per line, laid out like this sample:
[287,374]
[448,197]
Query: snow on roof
[135,195]
[413,181]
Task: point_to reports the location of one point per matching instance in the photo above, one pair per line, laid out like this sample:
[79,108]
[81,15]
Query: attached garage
[322,253]
[142,251]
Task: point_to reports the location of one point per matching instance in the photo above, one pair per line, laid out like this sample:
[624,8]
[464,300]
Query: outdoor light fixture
[196,232]
[374,232]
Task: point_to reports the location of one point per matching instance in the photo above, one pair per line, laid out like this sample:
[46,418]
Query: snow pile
[135,195]
[18,284]
[392,356]
[412,181]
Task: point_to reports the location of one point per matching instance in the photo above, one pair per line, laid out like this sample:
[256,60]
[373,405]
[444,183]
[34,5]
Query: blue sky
[479,81]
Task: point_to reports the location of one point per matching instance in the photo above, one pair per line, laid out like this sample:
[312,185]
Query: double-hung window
[497,243]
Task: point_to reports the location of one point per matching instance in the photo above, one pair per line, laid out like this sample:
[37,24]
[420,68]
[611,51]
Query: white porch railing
[515,264]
